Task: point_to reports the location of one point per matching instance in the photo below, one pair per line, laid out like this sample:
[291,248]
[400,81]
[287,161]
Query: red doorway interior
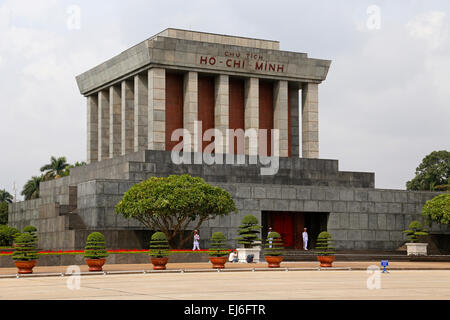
[289,226]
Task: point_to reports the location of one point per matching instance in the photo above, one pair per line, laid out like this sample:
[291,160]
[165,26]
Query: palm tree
[56,167]
[5,196]
[31,188]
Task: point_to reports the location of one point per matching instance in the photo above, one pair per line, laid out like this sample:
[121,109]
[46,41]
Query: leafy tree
[170,204]
[68,167]
[433,173]
[7,235]
[55,168]
[437,209]
[31,188]
[3,213]
[5,196]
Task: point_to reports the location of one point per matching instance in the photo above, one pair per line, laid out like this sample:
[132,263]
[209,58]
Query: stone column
[190,109]
[251,114]
[115,119]
[295,132]
[221,110]
[280,118]
[310,121]
[140,112]
[157,109]
[92,128]
[103,125]
[127,106]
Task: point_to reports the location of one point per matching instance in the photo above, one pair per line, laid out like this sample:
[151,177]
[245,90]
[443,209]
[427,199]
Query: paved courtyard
[245,285]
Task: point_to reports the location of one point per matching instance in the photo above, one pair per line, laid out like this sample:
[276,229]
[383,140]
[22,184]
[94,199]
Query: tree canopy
[433,173]
[437,209]
[5,196]
[170,204]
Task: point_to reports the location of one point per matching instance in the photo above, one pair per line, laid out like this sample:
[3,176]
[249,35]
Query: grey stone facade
[360,216]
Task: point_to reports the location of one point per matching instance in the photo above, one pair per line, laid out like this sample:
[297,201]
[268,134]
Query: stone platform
[359,215]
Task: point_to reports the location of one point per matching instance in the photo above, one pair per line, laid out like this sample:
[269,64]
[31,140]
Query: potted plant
[25,255]
[325,253]
[95,251]
[218,252]
[273,252]
[159,251]
[413,247]
[248,237]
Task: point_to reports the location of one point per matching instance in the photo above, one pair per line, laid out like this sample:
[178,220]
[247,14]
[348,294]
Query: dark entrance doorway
[290,226]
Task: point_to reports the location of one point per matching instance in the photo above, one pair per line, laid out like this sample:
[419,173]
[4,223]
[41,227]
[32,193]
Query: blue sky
[384,106]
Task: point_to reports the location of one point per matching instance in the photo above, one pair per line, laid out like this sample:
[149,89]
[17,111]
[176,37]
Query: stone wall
[360,216]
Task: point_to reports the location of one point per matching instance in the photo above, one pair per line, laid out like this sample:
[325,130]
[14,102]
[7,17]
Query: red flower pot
[159,263]
[326,261]
[218,262]
[273,261]
[25,267]
[95,264]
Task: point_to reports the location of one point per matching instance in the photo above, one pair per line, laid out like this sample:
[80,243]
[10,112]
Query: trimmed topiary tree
[218,246]
[325,250]
[437,210]
[95,246]
[25,248]
[274,244]
[324,244]
[415,230]
[248,231]
[159,246]
[31,230]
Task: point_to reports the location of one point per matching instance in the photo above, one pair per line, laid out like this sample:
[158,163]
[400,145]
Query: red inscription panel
[236,111]
[266,114]
[206,95]
[174,106]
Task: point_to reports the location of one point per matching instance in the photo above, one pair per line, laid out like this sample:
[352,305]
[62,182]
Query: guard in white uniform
[305,239]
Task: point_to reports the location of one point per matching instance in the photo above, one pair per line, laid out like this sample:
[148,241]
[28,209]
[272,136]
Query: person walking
[196,240]
[305,239]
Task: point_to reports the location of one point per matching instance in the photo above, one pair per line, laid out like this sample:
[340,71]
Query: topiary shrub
[415,230]
[159,246]
[218,245]
[274,244]
[31,230]
[324,244]
[95,246]
[25,248]
[248,231]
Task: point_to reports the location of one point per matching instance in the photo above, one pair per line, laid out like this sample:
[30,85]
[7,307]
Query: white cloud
[429,26]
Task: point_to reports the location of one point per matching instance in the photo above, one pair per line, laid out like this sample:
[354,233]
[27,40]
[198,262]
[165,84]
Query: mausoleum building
[225,96]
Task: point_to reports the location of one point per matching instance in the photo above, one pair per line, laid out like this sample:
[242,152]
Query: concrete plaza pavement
[354,265]
[236,285]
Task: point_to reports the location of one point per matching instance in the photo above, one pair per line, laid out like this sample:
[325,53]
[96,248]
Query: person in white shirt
[305,239]
[233,256]
[196,241]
